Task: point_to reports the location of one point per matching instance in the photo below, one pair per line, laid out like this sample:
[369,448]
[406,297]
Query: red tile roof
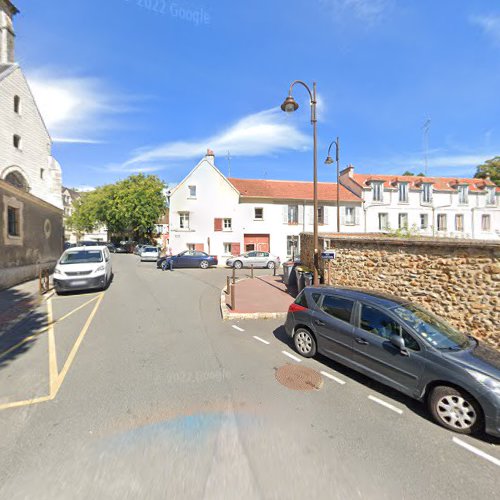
[290,190]
[439,183]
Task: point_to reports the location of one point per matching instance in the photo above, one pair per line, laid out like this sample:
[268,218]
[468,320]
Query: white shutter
[356,216]
[311,215]
[285,214]
[301,214]
[325,215]
[342,215]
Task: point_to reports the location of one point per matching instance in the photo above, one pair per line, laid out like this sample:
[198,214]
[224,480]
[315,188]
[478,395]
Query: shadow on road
[413,405]
[21,317]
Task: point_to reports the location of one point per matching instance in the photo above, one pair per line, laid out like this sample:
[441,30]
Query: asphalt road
[144,392]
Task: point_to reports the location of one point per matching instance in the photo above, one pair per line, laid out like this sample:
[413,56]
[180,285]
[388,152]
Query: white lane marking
[261,340]
[238,328]
[475,450]
[295,358]
[387,405]
[328,375]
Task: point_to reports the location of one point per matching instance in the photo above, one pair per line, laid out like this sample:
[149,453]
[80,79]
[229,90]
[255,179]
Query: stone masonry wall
[456,279]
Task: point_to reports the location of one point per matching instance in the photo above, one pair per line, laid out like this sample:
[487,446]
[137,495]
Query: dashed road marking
[261,340]
[238,328]
[295,358]
[477,451]
[387,405]
[330,376]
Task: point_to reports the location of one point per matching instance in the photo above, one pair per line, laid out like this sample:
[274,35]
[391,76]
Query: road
[144,392]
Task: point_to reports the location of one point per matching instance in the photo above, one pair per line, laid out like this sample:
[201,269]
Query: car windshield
[433,329]
[149,249]
[82,257]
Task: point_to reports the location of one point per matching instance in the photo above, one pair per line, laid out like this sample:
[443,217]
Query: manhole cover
[299,378]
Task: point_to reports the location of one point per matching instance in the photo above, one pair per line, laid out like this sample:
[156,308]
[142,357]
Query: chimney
[210,153]
[7,35]
[349,171]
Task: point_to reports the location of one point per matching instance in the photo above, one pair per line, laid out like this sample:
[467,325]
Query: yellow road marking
[56,379]
[76,346]
[46,328]
[28,402]
[53,371]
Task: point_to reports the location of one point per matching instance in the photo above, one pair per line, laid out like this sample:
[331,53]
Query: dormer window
[463,195]
[378,191]
[17,105]
[426,193]
[491,195]
[403,192]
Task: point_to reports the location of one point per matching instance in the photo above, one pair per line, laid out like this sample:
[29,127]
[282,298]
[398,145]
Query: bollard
[274,270]
[251,271]
[228,284]
[233,297]
[234,276]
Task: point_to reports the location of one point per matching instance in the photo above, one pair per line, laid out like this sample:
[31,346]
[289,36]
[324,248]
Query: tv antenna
[229,158]
[426,126]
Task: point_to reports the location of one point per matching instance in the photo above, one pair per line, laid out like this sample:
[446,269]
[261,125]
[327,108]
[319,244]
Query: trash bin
[301,281]
[287,269]
[308,279]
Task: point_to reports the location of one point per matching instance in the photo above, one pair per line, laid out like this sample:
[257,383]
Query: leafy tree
[421,174]
[130,207]
[408,173]
[490,168]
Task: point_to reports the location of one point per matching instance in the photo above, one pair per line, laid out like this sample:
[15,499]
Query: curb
[228,315]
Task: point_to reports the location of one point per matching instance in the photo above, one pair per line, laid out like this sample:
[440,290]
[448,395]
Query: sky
[129,86]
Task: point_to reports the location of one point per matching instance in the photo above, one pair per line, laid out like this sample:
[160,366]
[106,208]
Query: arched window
[17,104]
[17,180]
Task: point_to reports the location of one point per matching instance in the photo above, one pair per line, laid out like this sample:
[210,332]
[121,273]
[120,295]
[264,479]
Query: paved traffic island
[263,297]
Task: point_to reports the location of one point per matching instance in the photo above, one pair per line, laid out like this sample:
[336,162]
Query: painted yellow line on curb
[46,328]
[78,342]
[52,350]
[28,402]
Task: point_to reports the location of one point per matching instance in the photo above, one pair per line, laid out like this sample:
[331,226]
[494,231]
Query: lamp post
[329,161]
[289,106]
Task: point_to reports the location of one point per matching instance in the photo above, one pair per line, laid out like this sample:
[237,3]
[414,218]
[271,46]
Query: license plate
[78,283]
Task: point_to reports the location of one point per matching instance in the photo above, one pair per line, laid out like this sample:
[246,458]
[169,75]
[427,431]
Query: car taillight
[296,308]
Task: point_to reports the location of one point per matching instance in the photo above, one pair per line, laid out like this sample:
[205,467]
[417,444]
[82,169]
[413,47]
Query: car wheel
[271,265]
[455,409]
[238,264]
[164,265]
[304,342]
[204,264]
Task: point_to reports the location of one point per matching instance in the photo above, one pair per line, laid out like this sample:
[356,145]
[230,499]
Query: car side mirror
[399,343]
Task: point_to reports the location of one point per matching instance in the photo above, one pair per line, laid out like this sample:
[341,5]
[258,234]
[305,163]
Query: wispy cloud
[259,134]
[75,109]
[490,24]
[364,10]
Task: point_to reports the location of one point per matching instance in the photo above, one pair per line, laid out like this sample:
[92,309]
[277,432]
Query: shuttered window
[217,224]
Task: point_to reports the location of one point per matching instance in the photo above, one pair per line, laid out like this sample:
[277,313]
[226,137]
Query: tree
[421,174]
[129,207]
[408,173]
[491,169]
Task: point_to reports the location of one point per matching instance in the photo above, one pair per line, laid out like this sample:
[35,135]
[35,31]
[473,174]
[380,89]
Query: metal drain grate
[299,378]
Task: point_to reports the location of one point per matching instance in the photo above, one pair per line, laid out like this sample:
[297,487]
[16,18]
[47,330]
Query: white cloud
[365,10]
[259,134]
[74,109]
[490,25]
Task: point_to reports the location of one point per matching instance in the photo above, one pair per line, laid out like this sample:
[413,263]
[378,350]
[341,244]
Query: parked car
[257,259]
[149,253]
[111,247]
[406,347]
[83,268]
[188,258]
[121,249]
[67,245]
[89,243]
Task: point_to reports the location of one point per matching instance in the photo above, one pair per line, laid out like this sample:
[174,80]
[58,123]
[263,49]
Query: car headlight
[58,272]
[491,383]
[100,269]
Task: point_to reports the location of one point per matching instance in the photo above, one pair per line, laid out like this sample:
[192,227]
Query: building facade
[427,206]
[227,216]
[30,177]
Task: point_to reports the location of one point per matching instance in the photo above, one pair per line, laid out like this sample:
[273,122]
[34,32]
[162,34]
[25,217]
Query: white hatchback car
[149,253]
[83,268]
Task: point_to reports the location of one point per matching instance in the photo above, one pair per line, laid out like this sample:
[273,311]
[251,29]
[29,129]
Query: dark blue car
[188,258]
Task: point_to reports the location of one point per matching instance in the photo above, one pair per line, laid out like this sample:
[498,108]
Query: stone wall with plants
[457,279]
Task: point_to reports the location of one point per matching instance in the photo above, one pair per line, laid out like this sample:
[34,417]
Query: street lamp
[289,106]
[329,161]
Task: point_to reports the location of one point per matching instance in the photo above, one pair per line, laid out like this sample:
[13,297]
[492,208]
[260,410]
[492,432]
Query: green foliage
[404,232]
[490,168]
[421,174]
[408,173]
[132,206]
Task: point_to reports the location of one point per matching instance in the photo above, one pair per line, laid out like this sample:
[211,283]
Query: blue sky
[124,88]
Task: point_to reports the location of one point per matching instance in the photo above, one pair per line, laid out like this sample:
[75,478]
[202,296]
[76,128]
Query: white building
[226,216]
[30,178]
[430,206]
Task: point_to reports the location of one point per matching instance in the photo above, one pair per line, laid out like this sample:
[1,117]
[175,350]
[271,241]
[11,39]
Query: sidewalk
[263,297]
[18,302]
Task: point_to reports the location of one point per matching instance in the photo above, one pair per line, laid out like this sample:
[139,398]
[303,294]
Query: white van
[83,268]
